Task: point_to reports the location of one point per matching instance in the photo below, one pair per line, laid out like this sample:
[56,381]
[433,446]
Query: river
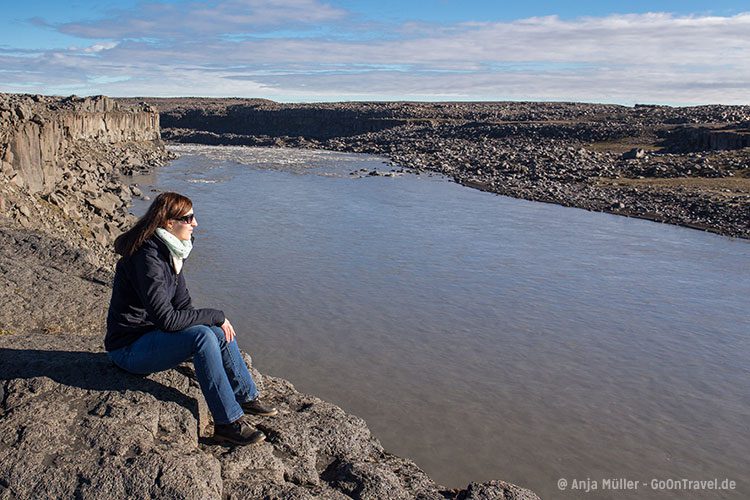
[484,337]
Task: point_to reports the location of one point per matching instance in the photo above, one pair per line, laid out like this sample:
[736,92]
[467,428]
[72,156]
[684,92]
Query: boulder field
[680,165]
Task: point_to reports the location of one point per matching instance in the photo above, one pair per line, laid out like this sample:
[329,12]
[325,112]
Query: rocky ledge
[75,426]
[687,166]
[72,425]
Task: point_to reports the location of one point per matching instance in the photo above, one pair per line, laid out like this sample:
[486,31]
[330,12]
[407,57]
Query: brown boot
[241,431]
[255,407]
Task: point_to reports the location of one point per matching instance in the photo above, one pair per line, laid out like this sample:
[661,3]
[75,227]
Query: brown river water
[481,336]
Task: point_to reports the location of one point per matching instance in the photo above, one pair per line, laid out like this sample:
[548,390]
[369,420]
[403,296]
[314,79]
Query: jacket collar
[161,247]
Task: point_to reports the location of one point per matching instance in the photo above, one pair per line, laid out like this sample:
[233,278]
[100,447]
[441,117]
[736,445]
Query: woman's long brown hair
[166,206]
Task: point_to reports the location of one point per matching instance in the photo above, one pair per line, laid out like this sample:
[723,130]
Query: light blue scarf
[179,249]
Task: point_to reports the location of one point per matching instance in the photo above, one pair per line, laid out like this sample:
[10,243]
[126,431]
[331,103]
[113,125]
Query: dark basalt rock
[633,154]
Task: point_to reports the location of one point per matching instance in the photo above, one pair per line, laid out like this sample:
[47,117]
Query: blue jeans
[222,374]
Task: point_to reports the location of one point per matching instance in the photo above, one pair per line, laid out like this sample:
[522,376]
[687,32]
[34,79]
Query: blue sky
[672,52]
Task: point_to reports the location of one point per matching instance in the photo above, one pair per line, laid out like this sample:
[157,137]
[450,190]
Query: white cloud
[98,47]
[654,57]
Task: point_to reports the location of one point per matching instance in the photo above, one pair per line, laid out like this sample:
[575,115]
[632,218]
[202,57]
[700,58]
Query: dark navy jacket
[148,295]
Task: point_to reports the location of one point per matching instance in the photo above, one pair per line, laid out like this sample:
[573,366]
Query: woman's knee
[204,337]
[220,337]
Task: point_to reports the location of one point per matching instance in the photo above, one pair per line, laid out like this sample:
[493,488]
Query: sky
[657,52]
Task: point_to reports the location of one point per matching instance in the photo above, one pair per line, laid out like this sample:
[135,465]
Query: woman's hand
[228,330]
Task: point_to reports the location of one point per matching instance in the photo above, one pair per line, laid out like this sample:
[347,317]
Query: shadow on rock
[72,424]
[85,370]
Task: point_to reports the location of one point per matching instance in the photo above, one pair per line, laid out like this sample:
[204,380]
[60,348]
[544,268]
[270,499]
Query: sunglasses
[186,219]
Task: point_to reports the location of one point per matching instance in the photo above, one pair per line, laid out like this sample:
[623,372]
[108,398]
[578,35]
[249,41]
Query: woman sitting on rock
[153,326]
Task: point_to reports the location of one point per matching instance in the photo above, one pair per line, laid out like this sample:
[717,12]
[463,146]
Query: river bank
[72,425]
[562,333]
[684,166]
